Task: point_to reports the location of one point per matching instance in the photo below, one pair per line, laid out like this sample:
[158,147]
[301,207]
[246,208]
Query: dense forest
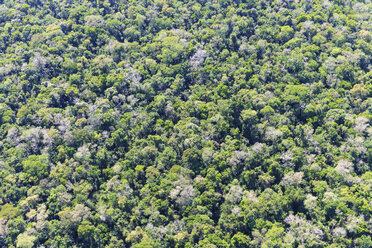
[185,123]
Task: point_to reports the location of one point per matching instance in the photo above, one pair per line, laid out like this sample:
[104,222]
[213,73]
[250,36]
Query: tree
[86,232]
[9,212]
[25,241]
[36,167]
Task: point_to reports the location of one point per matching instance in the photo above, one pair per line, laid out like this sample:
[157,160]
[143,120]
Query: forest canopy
[194,123]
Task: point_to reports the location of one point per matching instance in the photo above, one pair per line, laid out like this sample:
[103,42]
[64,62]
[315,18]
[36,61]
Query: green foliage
[36,167]
[185,123]
[25,241]
[8,211]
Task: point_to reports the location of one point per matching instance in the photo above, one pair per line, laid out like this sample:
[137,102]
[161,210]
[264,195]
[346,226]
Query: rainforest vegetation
[185,123]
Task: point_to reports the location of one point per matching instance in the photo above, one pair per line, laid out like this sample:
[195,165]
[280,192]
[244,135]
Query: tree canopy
[195,123]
